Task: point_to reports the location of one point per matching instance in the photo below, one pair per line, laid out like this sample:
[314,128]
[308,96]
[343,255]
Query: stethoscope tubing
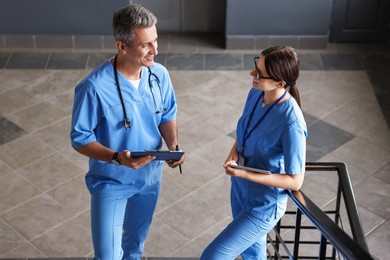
[127,122]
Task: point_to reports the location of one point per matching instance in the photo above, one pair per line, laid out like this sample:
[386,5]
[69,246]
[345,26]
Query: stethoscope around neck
[126,121]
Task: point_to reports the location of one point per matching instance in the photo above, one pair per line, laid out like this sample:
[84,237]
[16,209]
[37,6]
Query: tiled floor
[44,205]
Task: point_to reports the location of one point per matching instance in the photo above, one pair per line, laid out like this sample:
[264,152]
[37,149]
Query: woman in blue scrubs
[271,135]
[127,103]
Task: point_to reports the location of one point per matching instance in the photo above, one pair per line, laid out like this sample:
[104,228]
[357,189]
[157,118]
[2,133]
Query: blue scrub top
[278,144]
[98,117]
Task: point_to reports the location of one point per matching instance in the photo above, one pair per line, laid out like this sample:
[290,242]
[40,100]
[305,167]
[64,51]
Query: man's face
[143,48]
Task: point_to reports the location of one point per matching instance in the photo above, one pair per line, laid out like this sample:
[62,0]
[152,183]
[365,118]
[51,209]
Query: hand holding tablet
[164,155]
[249,169]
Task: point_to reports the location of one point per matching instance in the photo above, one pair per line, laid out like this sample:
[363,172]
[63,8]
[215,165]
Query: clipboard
[164,155]
[250,169]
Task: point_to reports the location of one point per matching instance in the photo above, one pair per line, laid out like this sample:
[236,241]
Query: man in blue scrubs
[126,104]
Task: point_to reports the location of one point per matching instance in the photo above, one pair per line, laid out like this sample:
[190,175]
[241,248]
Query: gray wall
[256,24]
[57,16]
[278,17]
[188,16]
[94,17]
[244,24]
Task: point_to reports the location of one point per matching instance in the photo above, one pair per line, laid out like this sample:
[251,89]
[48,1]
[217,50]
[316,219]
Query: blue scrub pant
[246,235]
[120,223]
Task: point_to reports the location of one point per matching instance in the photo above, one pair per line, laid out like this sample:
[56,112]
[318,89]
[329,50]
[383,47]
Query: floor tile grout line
[367,233]
[72,217]
[23,202]
[28,241]
[8,117]
[63,183]
[47,155]
[376,144]
[334,111]
[8,60]
[186,196]
[48,60]
[201,234]
[172,204]
[87,61]
[56,121]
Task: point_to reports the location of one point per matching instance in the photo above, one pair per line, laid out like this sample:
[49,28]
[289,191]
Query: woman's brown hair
[282,64]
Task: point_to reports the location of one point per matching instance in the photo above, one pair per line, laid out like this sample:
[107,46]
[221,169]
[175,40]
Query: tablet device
[249,169]
[164,155]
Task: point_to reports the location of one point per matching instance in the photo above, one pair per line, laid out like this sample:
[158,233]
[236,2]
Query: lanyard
[246,134]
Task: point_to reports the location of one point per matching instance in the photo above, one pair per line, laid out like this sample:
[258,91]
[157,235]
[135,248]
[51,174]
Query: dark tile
[376,61]
[312,42]
[378,68]
[66,60]
[95,59]
[185,61]
[211,42]
[291,41]
[341,61]
[2,42]
[233,43]
[109,43]
[19,41]
[224,62]
[183,43]
[383,96]
[163,42]
[249,63]
[160,58]
[3,58]
[262,43]
[233,134]
[54,41]
[309,119]
[9,131]
[310,62]
[88,42]
[324,138]
[28,60]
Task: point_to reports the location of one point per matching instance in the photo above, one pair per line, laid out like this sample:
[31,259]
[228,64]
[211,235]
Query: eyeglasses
[259,75]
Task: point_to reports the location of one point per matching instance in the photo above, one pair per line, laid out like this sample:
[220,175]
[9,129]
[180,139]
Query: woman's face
[261,79]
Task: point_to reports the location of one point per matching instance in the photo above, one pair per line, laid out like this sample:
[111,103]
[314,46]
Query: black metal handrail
[331,233]
[345,186]
[344,244]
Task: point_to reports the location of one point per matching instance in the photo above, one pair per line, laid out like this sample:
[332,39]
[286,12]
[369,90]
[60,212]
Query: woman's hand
[233,171]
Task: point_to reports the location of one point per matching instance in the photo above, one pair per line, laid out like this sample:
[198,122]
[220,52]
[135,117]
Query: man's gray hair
[129,18]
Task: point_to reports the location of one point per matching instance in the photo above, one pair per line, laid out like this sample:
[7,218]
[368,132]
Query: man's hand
[125,158]
[174,164]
